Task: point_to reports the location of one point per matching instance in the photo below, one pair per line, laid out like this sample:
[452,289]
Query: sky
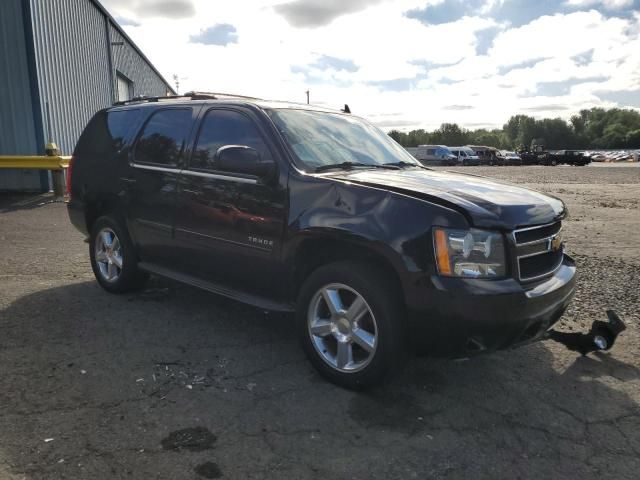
[403,64]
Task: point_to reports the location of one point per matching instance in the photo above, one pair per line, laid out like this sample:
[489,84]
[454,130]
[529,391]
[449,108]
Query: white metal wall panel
[17,129]
[73,68]
[73,40]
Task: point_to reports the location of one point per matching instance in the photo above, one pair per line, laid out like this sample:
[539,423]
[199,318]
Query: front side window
[226,127]
[163,137]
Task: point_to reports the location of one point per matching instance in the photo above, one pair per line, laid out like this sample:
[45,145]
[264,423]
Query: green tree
[592,128]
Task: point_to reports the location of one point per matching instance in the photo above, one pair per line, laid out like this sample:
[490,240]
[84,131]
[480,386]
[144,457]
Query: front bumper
[464,317]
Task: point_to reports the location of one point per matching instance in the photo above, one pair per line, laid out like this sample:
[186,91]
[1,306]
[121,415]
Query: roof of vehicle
[481,147]
[212,97]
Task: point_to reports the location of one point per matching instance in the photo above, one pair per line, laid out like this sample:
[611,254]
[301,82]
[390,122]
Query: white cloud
[437,65]
[608,4]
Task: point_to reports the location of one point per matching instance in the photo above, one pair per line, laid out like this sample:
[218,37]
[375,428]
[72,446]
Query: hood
[485,202]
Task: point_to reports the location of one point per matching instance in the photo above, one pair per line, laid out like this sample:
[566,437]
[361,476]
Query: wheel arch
[100,206]
[313,251]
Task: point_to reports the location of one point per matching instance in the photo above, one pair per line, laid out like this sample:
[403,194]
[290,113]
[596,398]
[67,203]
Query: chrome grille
[539,250]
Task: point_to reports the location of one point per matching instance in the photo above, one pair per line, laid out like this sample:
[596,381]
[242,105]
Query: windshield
[319,139]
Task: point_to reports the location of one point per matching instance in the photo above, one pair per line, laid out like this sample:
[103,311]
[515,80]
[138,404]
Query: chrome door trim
[217,176]
[153,168]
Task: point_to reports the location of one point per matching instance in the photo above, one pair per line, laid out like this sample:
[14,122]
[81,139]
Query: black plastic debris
[602,336]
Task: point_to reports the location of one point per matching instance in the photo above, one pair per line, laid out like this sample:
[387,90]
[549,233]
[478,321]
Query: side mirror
[243,160]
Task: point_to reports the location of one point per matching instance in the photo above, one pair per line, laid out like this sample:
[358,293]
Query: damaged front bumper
[464,317]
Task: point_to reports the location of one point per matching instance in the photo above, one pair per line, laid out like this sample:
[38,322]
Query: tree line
[589,129]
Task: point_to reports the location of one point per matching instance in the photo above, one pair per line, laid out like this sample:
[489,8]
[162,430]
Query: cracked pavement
[174,382]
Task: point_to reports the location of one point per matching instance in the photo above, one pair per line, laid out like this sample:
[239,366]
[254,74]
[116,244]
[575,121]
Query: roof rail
[216,95]
[189,95]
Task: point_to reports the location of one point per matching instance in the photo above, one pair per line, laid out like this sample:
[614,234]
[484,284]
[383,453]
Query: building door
[125,88]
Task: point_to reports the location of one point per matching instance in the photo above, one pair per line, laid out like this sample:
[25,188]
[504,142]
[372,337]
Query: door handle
[128,180]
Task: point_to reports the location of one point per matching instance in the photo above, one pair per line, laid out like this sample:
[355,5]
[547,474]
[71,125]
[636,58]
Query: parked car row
[474,155]
[470,155]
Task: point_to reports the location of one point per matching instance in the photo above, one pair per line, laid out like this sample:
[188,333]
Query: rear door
[155,163]
[229,225]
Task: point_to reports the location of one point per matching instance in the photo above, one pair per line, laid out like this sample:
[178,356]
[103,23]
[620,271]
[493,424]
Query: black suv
[298,208]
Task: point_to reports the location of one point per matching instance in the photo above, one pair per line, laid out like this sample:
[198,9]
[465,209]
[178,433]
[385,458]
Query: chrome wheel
[342,327]
[108,255]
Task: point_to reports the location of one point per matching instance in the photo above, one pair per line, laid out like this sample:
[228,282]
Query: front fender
[390,224]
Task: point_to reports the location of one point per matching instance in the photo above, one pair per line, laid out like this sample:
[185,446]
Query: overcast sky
[401,63]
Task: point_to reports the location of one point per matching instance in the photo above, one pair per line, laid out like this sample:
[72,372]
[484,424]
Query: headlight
[469,253]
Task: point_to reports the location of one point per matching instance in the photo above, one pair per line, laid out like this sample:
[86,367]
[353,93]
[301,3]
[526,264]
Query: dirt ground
[176,383]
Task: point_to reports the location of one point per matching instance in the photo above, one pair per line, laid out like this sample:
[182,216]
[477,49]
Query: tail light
[68,179]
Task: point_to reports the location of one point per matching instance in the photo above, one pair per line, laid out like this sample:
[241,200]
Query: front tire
[113,257]
[350,323]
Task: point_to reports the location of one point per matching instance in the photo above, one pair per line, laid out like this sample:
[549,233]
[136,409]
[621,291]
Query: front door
[229,225]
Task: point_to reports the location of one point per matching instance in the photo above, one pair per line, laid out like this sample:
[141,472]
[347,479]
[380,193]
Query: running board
[248,298]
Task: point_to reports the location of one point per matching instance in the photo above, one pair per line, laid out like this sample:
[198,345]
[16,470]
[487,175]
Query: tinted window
[225,127]
[107,132]
[163,137]
[431,151]
[119,124]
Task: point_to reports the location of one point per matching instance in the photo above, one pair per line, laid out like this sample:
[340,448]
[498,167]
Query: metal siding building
[60,62]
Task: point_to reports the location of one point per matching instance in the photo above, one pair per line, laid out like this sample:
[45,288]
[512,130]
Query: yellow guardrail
[41,162]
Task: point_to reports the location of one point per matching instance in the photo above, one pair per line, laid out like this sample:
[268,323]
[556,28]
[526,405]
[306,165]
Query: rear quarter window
[107,132]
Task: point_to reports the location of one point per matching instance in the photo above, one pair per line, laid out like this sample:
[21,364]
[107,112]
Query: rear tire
[351,324]
[113,258]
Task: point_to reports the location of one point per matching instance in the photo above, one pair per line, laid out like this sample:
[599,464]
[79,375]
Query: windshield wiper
[350,165]
[401,164]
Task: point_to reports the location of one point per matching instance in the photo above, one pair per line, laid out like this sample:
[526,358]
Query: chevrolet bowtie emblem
[556,243]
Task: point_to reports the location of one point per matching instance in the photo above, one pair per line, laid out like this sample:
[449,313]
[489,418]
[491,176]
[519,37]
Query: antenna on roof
[346,109]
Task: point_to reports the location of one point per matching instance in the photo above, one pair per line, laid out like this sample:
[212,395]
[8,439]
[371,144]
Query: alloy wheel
[108,255]
[342,327]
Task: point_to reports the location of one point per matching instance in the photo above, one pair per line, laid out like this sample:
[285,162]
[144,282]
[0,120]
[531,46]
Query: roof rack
[189,95]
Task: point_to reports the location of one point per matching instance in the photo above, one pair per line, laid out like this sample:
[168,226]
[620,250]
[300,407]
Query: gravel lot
[176,383]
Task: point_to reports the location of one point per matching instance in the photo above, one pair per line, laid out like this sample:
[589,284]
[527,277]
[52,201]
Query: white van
[466,156]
